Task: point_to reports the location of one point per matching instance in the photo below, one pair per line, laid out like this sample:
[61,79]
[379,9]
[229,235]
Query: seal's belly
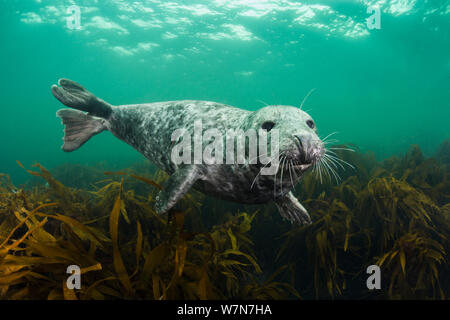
[235,183]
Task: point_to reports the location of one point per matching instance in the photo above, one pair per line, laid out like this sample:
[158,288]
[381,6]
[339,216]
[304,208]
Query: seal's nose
[311,150]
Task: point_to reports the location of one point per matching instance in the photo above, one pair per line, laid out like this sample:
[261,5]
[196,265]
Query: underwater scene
[338,187]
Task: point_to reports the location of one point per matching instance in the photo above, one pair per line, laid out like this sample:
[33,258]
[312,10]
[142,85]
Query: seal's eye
[268,125]
[310,124]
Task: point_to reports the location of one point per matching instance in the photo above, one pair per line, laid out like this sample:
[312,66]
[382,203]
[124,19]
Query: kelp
[413,264]
[322,242]
[394,214]
[158,259]
[443,152]
[36,262]
[397,220]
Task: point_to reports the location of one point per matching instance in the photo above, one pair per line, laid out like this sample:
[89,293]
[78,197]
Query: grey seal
[148,128]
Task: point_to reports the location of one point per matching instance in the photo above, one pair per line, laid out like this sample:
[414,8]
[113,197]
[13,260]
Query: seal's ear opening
[268,125]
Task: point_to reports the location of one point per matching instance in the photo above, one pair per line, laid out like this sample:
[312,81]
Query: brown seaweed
[394,213]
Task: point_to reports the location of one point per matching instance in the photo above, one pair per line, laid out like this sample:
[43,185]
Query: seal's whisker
[329,151]
[315,170]
[334,161]
[282,172]
[319,170]
[254,180]
[263,102]
[293,169]
[306,97]
[275,183]
[327,140]
[333,167]
[336,174]
[346,149]
[340,160]
[331,134]
[325,169]
[322,168]
[290,173]
[335,164]
[261,155]
[283,161]
[280,160]
[330,169]
[331,141]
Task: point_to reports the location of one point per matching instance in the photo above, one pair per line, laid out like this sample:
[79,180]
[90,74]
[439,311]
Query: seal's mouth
[302,166]
[308,153]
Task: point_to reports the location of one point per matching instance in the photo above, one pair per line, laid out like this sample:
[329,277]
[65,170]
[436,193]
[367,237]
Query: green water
[381,89]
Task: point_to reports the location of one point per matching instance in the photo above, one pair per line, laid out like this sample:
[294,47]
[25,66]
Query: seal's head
[298,141]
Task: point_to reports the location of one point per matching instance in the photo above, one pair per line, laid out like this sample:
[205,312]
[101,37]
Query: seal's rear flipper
[291,209]
[75,96]
[79,128]
[176,187]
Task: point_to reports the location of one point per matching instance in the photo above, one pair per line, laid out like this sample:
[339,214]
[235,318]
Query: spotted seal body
[149,127]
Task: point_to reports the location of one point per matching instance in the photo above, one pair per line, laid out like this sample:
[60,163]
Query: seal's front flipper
[176,187]
[290,208]
[75,96]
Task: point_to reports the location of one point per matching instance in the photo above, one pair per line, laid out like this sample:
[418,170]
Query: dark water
[381,89]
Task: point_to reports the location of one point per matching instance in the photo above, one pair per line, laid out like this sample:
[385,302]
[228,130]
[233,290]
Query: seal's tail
[79,126]
[75,96]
